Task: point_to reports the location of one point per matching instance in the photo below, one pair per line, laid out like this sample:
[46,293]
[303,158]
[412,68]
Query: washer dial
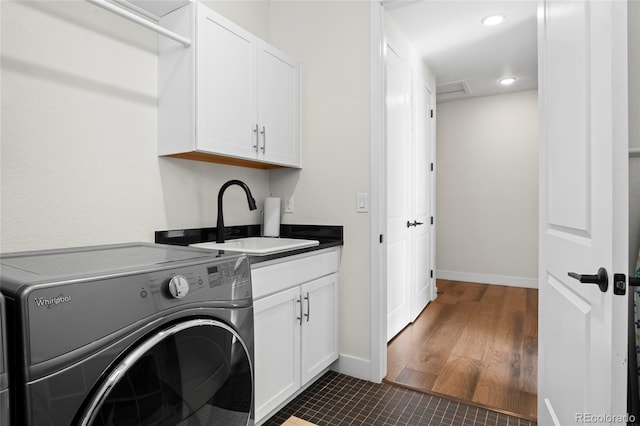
[178,286]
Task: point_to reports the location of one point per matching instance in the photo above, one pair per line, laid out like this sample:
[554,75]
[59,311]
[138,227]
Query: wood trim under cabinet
[220,159]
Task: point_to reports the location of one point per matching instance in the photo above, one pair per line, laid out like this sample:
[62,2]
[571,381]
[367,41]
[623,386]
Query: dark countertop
[327,235]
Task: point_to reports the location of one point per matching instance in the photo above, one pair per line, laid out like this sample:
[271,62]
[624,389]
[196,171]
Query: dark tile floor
[336,400]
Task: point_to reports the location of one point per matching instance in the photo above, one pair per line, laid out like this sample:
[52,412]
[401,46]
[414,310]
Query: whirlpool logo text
[51,302]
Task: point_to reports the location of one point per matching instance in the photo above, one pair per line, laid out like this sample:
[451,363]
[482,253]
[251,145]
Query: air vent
[452,90]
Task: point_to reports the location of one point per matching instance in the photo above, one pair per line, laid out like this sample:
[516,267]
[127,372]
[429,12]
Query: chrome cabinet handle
[257,138]
[264,139]
[308,307]
[299,300]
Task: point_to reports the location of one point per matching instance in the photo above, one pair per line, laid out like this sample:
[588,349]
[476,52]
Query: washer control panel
[223,280]
[51,310]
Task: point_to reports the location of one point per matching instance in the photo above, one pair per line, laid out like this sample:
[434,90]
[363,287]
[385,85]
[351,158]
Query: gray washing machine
[131,334]
[4,376]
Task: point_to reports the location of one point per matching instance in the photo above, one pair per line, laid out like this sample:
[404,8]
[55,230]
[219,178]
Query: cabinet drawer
[297,270]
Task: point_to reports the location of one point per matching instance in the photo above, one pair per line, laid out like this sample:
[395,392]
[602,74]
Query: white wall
[252,15]
[395,38]
[487,189]
[331,39]
[78,136]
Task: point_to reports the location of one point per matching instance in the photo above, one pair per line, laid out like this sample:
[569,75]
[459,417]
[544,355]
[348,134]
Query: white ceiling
[457,47]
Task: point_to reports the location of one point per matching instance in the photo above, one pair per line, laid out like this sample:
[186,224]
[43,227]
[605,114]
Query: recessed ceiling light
[492,20]
[507,81]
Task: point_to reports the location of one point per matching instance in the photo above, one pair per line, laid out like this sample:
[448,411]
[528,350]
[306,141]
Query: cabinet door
[319,325]
[226,108]
[276,349]
[278,106]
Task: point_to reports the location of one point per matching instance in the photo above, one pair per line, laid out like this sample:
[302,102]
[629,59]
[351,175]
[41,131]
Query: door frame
[378,178]
[378,181]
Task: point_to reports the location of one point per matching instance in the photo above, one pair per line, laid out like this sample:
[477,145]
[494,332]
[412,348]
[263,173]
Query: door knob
[416,223]
[601,278]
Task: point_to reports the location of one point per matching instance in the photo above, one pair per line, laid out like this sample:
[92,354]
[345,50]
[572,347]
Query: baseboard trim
[488,279]
[353,366]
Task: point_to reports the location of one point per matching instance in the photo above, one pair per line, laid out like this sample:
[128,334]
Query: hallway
[475,343]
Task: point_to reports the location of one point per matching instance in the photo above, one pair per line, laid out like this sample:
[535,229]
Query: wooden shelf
[221,159]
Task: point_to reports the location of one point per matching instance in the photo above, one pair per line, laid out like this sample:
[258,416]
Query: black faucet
[220,223]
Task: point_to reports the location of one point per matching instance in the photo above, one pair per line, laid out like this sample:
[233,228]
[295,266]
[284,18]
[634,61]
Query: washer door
[197,372]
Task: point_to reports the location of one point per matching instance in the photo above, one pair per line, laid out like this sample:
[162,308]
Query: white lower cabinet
[319,340]
[296,328]
[276,349]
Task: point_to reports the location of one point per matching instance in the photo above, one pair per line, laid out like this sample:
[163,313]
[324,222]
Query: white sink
[259,246]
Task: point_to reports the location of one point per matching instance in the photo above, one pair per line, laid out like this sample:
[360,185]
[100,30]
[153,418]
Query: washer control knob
[178,286]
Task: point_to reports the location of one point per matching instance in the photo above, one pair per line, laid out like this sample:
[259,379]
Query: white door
[420,181]
[583,211]
[278,106]
[398,110]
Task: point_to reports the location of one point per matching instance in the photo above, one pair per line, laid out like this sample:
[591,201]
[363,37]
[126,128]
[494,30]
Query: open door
[583,212]
[398,138]
[421,201]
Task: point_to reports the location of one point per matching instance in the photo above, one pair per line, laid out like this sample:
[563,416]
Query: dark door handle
[415,223]
[601,278]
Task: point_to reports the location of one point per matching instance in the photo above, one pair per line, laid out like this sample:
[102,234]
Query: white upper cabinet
[226,103]
[231,98]
[278,106]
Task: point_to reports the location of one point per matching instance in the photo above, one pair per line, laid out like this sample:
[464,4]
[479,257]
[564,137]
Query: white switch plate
[362,202]
[288,204]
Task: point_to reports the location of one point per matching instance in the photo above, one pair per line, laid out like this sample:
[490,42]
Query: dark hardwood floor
[476,343]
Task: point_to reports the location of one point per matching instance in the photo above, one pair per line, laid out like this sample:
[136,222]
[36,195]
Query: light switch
[362,202]
[288,204]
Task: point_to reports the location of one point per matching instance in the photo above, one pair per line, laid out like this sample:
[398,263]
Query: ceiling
[459,49]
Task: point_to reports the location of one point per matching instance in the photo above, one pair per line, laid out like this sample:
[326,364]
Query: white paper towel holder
[271,217]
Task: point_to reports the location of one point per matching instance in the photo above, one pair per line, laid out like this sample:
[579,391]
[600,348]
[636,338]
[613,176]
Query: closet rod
[138,20]
[634,152]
